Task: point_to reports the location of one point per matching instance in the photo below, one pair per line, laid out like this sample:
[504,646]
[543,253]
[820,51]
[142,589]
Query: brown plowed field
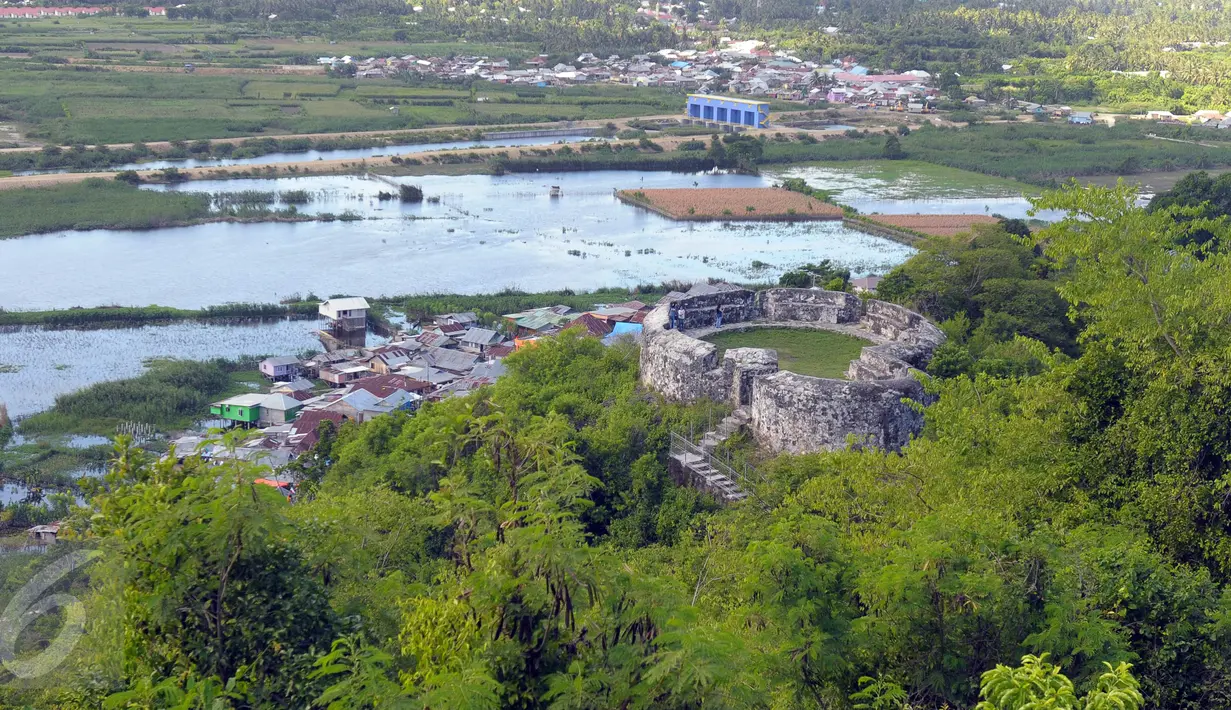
[940,225]
[731,203]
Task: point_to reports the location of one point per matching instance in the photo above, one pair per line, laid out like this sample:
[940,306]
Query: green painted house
[245,408]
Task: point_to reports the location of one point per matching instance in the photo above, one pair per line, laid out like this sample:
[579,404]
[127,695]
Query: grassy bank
[512,301]
[138,315]
[95,204]
[171,394]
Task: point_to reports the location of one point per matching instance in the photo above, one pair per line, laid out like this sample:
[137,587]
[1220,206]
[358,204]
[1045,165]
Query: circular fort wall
[789,411]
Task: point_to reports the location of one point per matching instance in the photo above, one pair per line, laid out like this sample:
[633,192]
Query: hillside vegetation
[525,546]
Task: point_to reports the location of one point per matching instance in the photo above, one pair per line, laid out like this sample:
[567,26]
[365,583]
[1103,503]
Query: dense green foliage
[525,547]
[825,275]
[986,288]
[95,204]
[1197,195]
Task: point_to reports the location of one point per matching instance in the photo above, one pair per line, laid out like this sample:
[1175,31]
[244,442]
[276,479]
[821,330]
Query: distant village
[449,356]
[738,67]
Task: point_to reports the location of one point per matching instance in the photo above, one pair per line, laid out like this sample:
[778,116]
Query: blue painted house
[722,109]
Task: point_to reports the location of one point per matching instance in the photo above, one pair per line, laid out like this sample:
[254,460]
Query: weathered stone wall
[882,362]
[792,412]
[808,305]
[799,414]
[737,305]
[683,369]
[900,324]
[915,339]
[745,365]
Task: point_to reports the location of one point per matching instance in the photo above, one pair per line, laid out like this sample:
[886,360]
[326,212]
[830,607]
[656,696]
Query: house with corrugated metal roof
[277,408]
[537,321]
[477,340]
[349,313]
[281,368]
[242,409]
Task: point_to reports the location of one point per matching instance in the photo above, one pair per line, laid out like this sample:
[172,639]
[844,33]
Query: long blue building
[721,109]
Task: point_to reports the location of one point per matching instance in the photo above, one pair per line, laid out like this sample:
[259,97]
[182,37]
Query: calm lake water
[486,233]
[54,362]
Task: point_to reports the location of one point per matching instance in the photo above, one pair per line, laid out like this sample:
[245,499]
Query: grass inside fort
[818,353]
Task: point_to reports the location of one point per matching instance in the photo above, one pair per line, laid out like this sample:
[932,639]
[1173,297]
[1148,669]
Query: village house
[313,365]
[293,387]
[341,374]
[385,385]
[867,284]
[361,405]
[278,408]
[536,321]
[435,340]
[387,360]
[477,340]
[465,320]
[44,534]
[281,368]
[591,325]
[346,313]
[304,432]
[244,409]
[454,361]
[623,331]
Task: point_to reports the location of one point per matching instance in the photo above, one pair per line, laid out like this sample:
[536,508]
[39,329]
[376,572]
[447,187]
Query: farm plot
[742,203]
[937,225]
[290,89]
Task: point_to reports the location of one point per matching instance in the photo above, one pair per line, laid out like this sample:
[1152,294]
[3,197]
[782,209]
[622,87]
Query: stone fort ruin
[786,411]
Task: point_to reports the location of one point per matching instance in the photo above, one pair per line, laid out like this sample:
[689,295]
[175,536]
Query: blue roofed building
[723,109]
[624,331]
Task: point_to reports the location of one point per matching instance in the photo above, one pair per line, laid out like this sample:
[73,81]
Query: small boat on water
[556,191]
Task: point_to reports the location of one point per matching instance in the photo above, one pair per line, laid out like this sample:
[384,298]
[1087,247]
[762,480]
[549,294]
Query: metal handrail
[680,444]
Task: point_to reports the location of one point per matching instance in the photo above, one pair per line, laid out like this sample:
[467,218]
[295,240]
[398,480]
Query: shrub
[411,193]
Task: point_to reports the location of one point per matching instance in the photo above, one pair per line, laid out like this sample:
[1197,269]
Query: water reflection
[485,233]
[53,362]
